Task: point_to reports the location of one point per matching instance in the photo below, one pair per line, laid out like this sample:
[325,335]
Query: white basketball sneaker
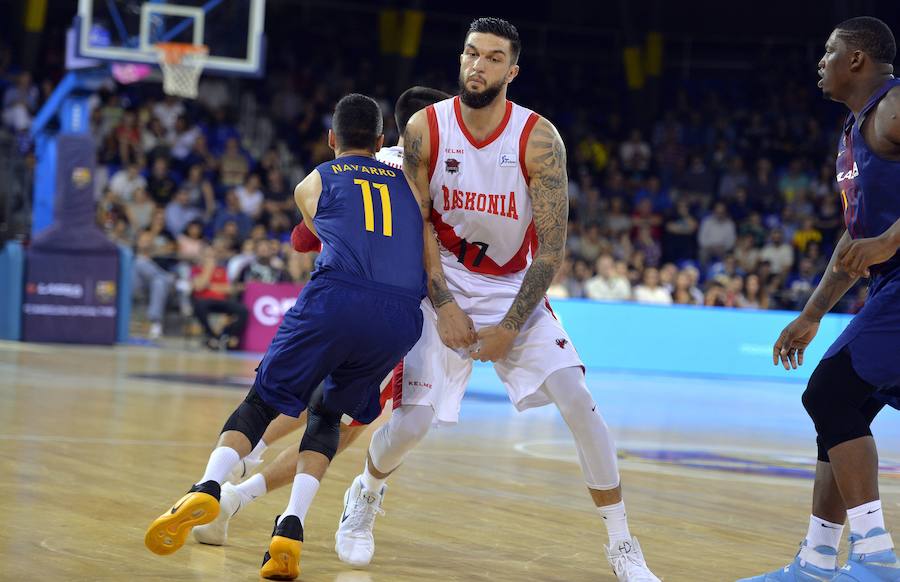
[215,533]
[242,469]
[627,561]
[353,540]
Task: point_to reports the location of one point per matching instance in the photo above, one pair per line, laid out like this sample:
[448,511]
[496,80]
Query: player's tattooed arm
[834,284]
[416,151]
[454,326]
[545,161]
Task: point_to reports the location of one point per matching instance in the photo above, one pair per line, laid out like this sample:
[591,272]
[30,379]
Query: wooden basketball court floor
[96,442]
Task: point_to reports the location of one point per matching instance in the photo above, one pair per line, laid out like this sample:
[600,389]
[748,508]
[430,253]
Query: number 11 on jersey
[387,228]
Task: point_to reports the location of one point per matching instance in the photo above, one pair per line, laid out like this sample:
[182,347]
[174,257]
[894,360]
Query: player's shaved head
[415,99]
[869,35]
[357,122]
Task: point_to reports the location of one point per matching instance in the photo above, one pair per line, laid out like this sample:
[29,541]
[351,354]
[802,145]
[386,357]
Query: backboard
[127,30]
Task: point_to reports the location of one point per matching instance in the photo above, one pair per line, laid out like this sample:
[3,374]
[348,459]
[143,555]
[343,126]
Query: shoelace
[630,565]
[362,517]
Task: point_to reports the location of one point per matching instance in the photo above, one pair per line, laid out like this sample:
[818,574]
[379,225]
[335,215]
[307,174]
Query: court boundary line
[658,468]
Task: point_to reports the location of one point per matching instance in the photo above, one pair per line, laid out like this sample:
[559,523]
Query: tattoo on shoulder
[548,190]
[412,150]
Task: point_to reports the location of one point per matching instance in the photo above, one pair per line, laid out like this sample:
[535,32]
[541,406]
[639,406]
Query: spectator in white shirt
[20,103]
[635,153]
[650,291]
[183,138]
[168,111]
[607,285]
[126,181]
[778,252]
[250,196]
[717,234]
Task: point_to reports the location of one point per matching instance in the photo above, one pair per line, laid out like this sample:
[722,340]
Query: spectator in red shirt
[128,140]
[214,293]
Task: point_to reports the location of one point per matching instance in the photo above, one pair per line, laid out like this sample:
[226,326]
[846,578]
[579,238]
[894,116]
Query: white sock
[220,463]
[257,452]
[823,533]
[370,482]
[302,494]
[616,522]
[865,518]
[251,489]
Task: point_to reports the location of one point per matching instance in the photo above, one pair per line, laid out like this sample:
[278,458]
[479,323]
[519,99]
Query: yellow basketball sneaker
[168,531]
[282,560]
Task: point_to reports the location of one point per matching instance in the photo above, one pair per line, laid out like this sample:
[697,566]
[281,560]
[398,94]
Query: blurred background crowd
[711,197]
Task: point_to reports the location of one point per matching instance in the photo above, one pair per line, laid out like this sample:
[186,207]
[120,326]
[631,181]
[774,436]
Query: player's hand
[791,344]
[455,327]
[495,343]
[859,255]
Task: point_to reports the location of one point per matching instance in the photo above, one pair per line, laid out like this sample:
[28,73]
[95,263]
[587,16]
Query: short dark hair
[501,28]
[415,99]
[871,36]
[357,122]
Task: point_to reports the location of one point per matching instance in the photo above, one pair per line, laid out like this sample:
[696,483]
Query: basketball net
[181,65]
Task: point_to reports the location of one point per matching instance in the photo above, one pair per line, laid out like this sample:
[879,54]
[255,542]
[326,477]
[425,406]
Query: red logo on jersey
[496,204]
[561,342]
[452,166]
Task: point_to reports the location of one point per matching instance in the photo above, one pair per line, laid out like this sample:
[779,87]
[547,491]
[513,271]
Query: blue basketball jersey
[370,224]
[869,193]
[870,186]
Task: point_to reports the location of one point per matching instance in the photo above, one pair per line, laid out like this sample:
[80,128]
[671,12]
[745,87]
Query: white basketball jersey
[479,190]
[392,156]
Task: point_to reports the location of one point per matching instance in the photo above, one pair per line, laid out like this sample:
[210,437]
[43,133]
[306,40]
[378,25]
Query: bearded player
[496,173]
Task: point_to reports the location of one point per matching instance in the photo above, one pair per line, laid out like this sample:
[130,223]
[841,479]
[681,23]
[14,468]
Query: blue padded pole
[123,295]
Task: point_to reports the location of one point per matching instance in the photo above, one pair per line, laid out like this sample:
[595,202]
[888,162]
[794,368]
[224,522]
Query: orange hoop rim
[173,52]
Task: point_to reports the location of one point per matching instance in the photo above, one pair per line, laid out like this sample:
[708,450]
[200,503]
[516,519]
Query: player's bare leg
[354,540]
[275,475]
[846,484]
[317,448]
[567,389]
[855,468]
[282,426]
[200,506]
[827,502]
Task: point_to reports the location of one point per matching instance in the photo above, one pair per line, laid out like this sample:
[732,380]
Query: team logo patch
[105,291]
[561,342]
[452,165]
[81,177]
[508,161]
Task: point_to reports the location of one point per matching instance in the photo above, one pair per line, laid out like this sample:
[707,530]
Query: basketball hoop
[181,65]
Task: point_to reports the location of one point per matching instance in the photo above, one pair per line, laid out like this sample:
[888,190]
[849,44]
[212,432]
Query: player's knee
[814,396]
[825,396]
[579,407]
[832,399]
[251,418]
[568,390]
[409,425]
[323,428]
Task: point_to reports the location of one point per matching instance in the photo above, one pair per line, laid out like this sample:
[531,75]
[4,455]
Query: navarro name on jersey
[338,168]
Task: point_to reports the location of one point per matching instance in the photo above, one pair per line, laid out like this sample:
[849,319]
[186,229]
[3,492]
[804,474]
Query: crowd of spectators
[712,204]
